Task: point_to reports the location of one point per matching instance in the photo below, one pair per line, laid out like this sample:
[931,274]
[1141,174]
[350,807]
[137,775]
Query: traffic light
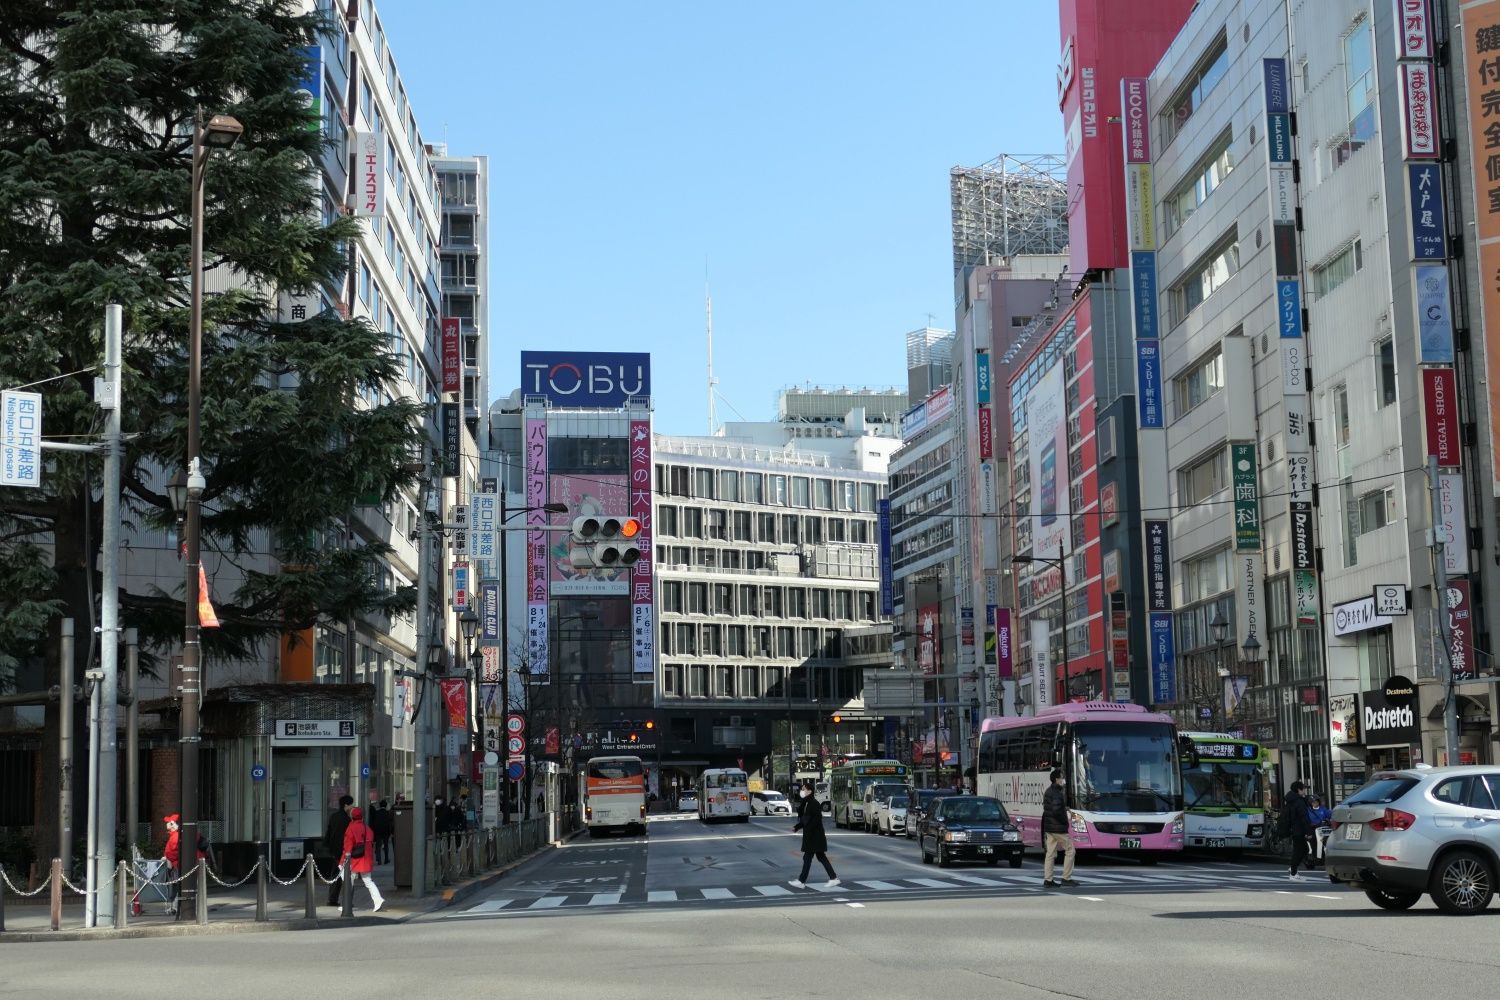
[605,542]
[838,718]
[650,723]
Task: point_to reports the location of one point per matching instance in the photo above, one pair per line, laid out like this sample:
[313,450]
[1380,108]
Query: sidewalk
[232,911]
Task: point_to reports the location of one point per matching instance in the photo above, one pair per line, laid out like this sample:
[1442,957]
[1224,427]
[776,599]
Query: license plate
[986,850]
[1214,842]
[1354,831]
[1130,842]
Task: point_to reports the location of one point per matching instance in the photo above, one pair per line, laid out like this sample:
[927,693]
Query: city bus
[723,794]
[847,784]
[612,792]
[1223,790]
[1120,763]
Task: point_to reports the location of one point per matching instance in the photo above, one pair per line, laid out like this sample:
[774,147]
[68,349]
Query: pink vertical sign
[642,585]
[537,651]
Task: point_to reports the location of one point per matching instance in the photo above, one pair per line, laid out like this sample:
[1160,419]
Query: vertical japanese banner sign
[452,376]
[1246,498]
[887,585]
[1004,650]
[537,652]
[1480,42]
[369,174]
[454,696]
[642,584]
[1041,663]
[20,438]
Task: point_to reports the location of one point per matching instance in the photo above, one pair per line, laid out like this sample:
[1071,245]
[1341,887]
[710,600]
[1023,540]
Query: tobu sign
[589,379]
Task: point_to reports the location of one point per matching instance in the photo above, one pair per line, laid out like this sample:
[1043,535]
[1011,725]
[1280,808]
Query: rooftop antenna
[708,305]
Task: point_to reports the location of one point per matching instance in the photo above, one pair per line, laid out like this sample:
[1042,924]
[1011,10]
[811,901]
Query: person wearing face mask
[814,840]
[1055,822]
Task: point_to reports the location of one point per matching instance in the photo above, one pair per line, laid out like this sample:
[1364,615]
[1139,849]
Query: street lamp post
[468,623]
[1220,629]
[506,514]
[220,132]
[1062,573]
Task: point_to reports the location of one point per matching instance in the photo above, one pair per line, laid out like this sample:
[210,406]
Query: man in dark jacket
[1296,824]
[333,842]
[814,840]
[382,825]
[1056,830]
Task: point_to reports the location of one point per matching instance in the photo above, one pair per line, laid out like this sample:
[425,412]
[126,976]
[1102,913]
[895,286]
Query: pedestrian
[1320,818]
[1056,829]
[359,852]
[172,854]
[382,824]
[814,839]
[541,801]
[1296,824]
[333,842]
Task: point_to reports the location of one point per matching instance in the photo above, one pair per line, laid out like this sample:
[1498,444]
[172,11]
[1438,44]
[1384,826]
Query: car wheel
[992,862]
[942,858]
[1015,862]
[1393,900]
[926,858]
[1462,883]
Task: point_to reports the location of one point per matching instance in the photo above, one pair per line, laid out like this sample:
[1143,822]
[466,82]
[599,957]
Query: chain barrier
[295,879]
[235,885]
[85,891]
[19,892]
[337,874]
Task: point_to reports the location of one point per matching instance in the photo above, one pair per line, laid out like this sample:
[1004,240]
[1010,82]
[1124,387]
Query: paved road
[1216,930]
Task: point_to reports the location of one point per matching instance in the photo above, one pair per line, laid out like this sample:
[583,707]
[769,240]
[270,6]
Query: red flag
[206,616]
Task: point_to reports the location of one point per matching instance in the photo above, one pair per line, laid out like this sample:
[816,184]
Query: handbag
[358,850]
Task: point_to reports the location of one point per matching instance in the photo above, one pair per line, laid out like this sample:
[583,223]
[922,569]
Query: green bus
[847,784]
[1223,792]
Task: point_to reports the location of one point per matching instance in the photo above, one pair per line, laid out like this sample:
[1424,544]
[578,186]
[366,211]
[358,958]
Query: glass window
[729,486]
[1341,416]
[867,497]
[703,483]
[1338,269]
[801,491]
[1126,768]
[1200,84]
[823,494]
[1201,182]
[778,495]
[1385,354]
[754,488]
[1205,278]
[1204,379]
[1202,479]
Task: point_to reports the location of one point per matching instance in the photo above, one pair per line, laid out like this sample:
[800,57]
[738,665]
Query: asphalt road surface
[704,911]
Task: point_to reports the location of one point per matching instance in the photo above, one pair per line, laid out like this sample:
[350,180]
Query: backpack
[1284,823]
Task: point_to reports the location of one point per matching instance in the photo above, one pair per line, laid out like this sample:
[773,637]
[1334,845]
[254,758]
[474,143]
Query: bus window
[612,770]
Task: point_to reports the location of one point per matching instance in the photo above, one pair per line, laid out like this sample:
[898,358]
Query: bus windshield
[723,779]
[611,770]
[1127,768]
[1222,786]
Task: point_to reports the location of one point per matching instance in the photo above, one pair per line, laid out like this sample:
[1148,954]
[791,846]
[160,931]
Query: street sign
[516,770]
[515,745]
[364,770]
[515,724]
[258,772]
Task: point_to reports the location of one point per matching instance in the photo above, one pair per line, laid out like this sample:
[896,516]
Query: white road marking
[716,893]
[773,890]
[876,884]
[1096,899]
[855,906]
[661,896]
[605,898]
[548,902]
[1314,895]
[488,906]
[933,883]
[975,880]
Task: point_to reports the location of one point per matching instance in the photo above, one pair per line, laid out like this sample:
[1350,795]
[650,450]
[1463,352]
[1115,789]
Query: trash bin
[401,843]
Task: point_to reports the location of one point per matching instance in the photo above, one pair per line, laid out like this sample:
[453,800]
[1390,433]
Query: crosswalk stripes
[955,881]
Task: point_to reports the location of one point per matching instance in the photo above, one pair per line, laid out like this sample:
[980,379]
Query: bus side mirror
[1188,752]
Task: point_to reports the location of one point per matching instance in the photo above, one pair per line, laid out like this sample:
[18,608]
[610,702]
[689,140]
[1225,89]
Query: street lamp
[1062,573]
[505,515]
[1220,629]
[220,133]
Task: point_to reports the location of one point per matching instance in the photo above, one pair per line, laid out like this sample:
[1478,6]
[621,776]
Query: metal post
[65,747]
[56,894]
[505,782]
[346,908]
[418,846]
[188,735]
[310,880]
[262,886]
[122,895]
[105,799]
[132,740]
[201,884]
[91,882]
[1440,608]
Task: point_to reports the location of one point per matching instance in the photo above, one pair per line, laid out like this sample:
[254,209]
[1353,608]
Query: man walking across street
[814,840]
[1055,829]
[1296,824]
[333,843]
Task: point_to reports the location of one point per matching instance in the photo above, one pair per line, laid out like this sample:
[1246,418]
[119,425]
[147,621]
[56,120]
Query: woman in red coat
[359,851]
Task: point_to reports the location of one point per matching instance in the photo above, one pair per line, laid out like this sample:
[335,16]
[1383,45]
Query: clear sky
[801,150]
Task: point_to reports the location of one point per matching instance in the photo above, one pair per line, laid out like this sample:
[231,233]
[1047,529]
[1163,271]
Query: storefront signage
[982,378]
[1460,627]
[1304,555]
[1343,719]
[589,379]
[1109,503]
[642,574]
[986,434]
[1288,308]
[452,373]
[1419,127]
[314,732]
[1455,518]
[1386,724]
[1246,497]
[1424,191]
[538,564]
[1477,35]
[1143,293]
[1440,412]
[1434,314]
[1390,599]
[1158,567]
[1163,659]
[1148,382]
[1357,616]
[1004,648]
[1413,30]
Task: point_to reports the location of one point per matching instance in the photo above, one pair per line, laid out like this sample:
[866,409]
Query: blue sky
[800,149]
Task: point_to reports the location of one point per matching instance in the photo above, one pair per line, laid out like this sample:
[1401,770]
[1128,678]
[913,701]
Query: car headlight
[1011,838]
[956,836]
[1177,824]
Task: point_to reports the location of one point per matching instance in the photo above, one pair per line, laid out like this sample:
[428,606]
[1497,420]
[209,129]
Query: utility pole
[65,708]
[132,738]
[504,574]
[1440,608]
[424,640]
[107,392]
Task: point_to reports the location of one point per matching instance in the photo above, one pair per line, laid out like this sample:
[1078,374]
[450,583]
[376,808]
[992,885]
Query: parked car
[969,828]
[1426,830]
[770,803]
[921,800]
[687,802]
[876,797]
[893,816]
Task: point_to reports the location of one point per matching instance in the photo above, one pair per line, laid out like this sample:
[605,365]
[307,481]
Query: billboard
[642,579]
[1475,36]
[1434,314]
[593,495]
[587,379]
[887,584]
[1163,658]
[538,655]
[1004,651]
[1047,430]
[1440,413]
[369,173]
[1424,190]
[929,639]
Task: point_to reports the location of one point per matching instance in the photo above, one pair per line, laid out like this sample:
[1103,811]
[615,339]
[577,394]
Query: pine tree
[97,99]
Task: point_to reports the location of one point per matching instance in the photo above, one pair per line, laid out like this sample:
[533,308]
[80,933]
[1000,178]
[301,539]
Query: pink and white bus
[1121,763]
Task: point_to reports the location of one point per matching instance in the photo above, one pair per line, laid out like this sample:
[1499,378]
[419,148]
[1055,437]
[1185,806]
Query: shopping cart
[153,883]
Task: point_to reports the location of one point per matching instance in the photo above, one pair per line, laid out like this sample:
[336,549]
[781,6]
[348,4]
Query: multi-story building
[463,248]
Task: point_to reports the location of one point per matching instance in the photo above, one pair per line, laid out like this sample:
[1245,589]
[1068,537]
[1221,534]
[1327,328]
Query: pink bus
[1121,764]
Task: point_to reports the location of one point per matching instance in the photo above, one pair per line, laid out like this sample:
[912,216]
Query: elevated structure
[1014,204]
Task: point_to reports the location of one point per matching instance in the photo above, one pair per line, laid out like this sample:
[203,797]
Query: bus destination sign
[1227,751]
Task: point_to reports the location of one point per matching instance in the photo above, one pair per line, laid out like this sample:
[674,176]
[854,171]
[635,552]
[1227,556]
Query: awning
[1468,708]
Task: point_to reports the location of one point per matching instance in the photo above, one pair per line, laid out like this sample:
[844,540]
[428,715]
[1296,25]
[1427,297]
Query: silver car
[1433,830]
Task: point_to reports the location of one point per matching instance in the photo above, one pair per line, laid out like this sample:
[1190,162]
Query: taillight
[1334,824]
[588,812]
[643,810]
[1394,819]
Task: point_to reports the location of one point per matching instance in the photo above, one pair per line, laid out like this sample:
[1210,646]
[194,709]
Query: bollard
[202,884]
[346,908]
[311,871]
[2,901]
[122,894]
[56,878]
[262,887]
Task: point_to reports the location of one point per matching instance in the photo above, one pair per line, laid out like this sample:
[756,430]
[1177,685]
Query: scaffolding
[1014,204]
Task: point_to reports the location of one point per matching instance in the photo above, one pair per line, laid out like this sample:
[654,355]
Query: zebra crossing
[1095,881]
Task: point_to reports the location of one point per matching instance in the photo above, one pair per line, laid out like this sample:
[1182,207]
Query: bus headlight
[956,836]
[1079,826]
[1177,824]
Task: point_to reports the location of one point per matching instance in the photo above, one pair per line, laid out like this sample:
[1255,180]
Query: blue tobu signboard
[1148,382]
[1163,659]
[586,379]
[1429,241]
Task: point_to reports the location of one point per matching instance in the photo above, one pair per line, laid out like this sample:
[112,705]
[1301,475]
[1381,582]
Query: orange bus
[612,792]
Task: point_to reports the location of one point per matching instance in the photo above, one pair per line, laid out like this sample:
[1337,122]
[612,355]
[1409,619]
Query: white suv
[1433,830]
[877,799]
